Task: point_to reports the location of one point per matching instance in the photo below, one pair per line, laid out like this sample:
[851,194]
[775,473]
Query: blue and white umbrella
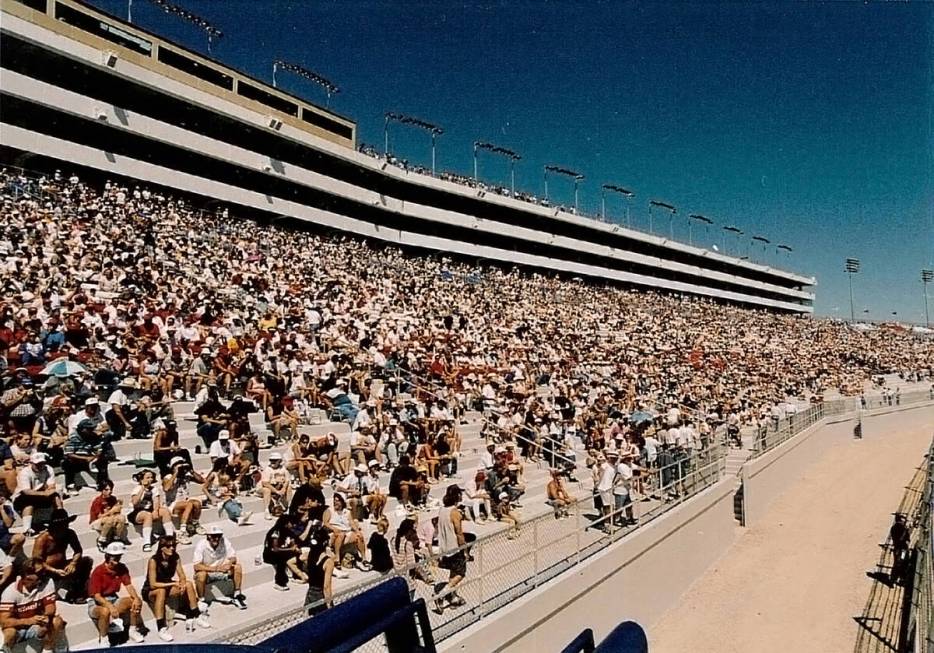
[64,367]
[641,416]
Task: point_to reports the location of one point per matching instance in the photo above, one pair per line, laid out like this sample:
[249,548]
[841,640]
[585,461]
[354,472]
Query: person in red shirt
[28,611]
[106,516]
[106,606]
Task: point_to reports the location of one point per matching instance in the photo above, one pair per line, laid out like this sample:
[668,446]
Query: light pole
[699,218]
[496,149]
[209,29]
[852,267]
[732,230]
[671,214]
[764,241]
[576,176]
[402,119]
[927,276]
[313,77]
[628,194]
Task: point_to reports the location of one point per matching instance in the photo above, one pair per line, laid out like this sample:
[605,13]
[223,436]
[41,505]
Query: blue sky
[808,123]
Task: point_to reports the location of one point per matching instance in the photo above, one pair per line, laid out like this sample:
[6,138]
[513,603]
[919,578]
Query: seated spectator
[165,580]
[380,557]
[345,532]
[226,449]
[165,445]
[122,409]
[106,516]
[274,486]
[50,553]
[362,446]
[406,555]
[374,499]
[325,452]
[35,490]
[309,499]
[146,507]
[405,484]
[216,561]
[212,417]
[301,462]
[558,497]
[10,543]
[107,608]
[178,499]
[281,550]
[28,611]
[479,499]
[221,485]
[282,418]
[85,452]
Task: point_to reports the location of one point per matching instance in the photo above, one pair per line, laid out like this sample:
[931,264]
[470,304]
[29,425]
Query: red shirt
[99,505]
[106,581]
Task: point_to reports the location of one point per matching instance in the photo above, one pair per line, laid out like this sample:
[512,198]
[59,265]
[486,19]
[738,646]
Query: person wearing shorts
[215,561]
[28,611]
[106,607]
[35,488]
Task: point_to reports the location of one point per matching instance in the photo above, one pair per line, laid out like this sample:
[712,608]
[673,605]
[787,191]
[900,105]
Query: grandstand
[85,87]
[143,235]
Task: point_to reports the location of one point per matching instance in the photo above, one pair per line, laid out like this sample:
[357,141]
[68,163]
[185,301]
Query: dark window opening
[194,68]
[274,101]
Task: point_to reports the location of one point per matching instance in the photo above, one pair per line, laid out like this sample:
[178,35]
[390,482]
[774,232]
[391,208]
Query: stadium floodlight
[671,214]
[852,267]
[576,176]
[311,76]
[927,276]
[628,194]
[433,130]
[699,218]
[502,151]
[731,230]
[184,14]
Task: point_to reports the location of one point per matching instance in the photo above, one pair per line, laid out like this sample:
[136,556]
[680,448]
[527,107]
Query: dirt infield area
[797,579]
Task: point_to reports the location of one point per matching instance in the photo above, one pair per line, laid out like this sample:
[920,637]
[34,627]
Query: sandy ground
[796,580]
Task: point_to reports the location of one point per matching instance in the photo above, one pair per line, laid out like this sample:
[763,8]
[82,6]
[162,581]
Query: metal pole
[432,154]
[671,226]
[129,11]
[927,319]
[546,184]
[852,314]
[386,138]
[603,204]
[476,179]
[651,223]
[576,211]
[628,217]
[690,232]
[512,175]
[275,67]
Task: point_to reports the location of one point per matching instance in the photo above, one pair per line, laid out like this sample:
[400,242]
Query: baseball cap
[275,455]
[223,435]
[373,463]
[37,457]
[503,495]
[360,468]
[176,460]
[91,401]
[115,549]
[214,530]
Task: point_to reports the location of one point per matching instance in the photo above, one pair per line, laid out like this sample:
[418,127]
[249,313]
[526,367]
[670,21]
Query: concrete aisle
[796,580]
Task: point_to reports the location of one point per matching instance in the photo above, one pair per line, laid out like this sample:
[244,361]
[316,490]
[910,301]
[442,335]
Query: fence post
[535,552]
[577,531]
[480,612]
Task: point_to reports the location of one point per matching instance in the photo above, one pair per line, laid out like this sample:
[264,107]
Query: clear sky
[811,124]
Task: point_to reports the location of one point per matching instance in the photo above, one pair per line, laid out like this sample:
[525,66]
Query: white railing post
[480,611]
[535,552]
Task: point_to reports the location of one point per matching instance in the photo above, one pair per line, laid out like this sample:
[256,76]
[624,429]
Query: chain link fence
[506,565]
[919,621]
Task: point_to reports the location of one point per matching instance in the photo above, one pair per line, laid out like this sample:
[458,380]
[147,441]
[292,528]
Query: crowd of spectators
[120,301]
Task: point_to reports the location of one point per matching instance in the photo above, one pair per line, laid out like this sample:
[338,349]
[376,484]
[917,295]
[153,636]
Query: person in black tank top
[319,570]
[165,578]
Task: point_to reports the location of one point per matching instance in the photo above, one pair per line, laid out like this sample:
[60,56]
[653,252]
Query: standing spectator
[450,546]
[405,547]
[107,608]
[622,498]
[28,611]
[216,561]
[900,535]
[49,552]
[380,557]
[319,571]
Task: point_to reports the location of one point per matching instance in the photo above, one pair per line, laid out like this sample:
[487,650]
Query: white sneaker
[202,606]
[244,518]
[165,635]
[340,573]
[135,635]
[203,622]
[190,625]
[267,516]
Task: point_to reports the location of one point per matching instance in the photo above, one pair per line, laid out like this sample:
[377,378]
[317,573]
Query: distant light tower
[927,276]
[852,267]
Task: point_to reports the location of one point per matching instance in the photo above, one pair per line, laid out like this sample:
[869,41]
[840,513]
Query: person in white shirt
[215,561]
[35,488]
[274,486]
[622,500]
[605,484]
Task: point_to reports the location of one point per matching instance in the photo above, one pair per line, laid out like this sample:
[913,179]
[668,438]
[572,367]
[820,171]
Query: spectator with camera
[176,486]
[147,507]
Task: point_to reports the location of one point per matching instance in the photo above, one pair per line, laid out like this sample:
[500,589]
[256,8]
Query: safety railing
[509,563]
[918,619]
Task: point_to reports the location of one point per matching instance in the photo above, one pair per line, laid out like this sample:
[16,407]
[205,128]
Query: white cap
[175,461]
[275,455]
[214,530]
[373,463]
[360,468]
[91,401]
[115,549]
[223,435]
[37,457]
[503,495]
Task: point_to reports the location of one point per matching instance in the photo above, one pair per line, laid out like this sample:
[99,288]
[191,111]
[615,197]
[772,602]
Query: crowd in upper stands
[118,301]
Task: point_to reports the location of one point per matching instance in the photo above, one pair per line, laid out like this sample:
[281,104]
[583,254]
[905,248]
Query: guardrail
[504,566]
[918,624]
[775,432]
